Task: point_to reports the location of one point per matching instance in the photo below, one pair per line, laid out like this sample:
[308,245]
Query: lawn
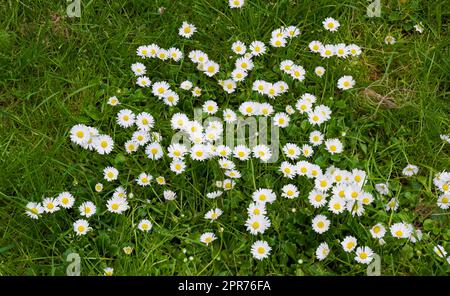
[58,71]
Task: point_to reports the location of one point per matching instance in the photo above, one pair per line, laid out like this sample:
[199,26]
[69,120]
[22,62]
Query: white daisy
[187,30]
[320,224]
[81,227]
[145,225]
[110,174]
[87,209]
[260,250]
[66,200]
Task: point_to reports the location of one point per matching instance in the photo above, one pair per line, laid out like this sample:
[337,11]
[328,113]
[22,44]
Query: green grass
[56,72]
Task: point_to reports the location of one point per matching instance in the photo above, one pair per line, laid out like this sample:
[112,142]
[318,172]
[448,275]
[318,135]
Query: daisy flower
[138,69]
[131,146]
[419,27]
[281,119]
[320,224]
[316,138]
[278,41]
[257,224]
[389,40]
[177,166]
[317,198]
[110,174]
[257,48]
[238,74]
[378,231]
[207,238]
[291,151]
[113,101]
[319,71]
[145,225]
[143,51]
[125,118]
[382,188]
[239,47]
[187,30]
[345,82]
[79,134]
[81,227]
[303,106]
[256,209]
[410,170]
[175,54]
[265,109]
[298,72]
[334,146]
[160,88]
[289,191]
[33,210]
[210,107]
[400,230]
[241,152]
[364,255]
[260,250]
[341,50]
[160,180]
[87,209]
[98,187]
[65,200]
[117,205]
[440,251]
[211,68]
[199,152]
[108,271]
[336,205]
[244,64]
[186,85]
[264,195]
[196,91]
[354,50]
[214,194]
[144,179]
[349,243]
[143,81]
[392,205]
[327,51]
[307,150]
[169,195]
[236,3]
[213,214]
[50,205]
[144,121]
[154,151]
[331,24]
[315,46]
[229,86]
[322,251]
[104,144]
[444,201]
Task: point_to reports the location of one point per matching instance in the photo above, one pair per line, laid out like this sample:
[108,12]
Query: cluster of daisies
[336,191]
[90,138]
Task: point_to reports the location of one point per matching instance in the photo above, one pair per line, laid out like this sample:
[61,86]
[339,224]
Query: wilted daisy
[257,48]
[289,191]
[81,227]
[260,249]
[419,27]
[87,209]
[382,188]
[378,231]
[50,205]
[187,30]
[65,200]
[236,3]
[320,224]
[345,82]
[33,210]
[207,238]
[389,39]
[169,195]
[186,85]
[213,214]
[322,251]
[257,224]
[331,24]
[127,250]
[410,170]
[364,255]
[349,243]
[145,225]
[108,271]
